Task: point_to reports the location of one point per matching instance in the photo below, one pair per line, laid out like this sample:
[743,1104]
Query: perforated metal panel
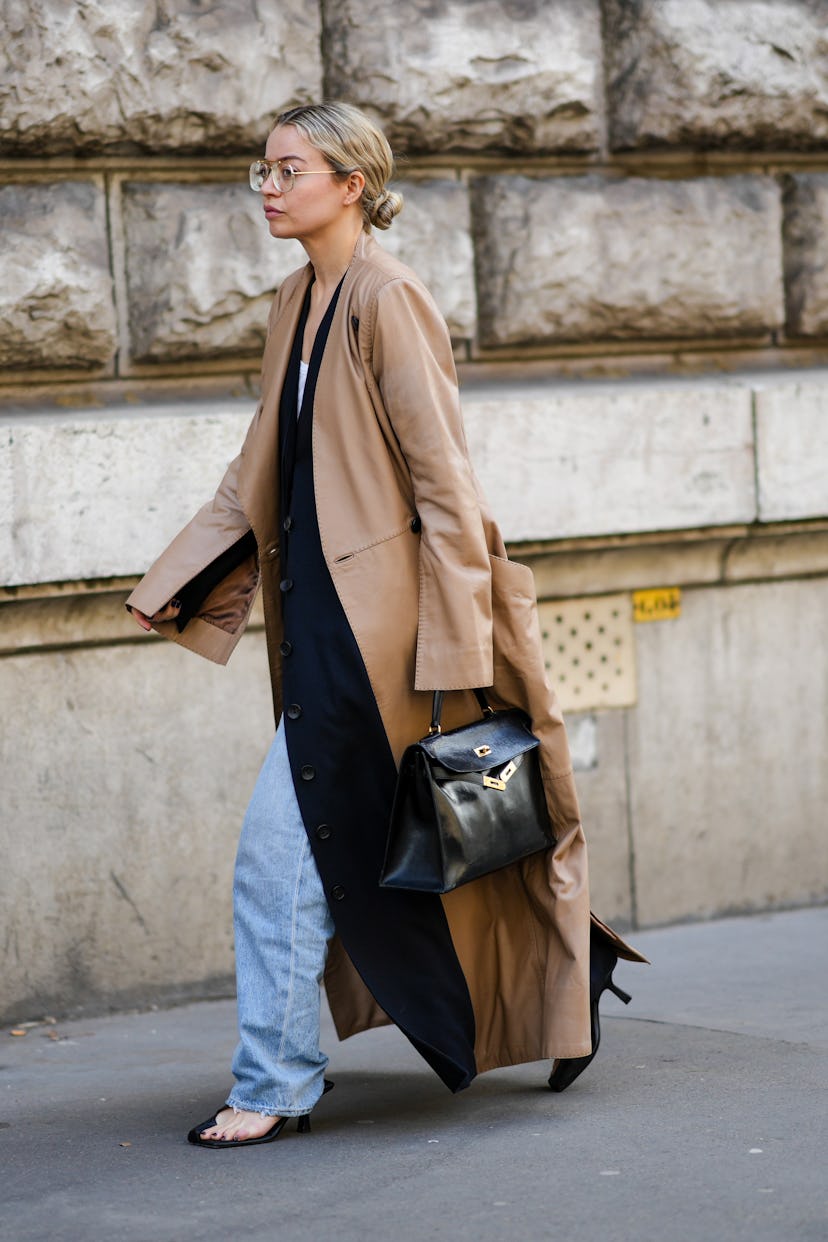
[589,651]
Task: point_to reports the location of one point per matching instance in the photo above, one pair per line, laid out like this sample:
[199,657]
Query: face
[317,204]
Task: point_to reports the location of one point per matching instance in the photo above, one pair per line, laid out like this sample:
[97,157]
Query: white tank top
[303,375]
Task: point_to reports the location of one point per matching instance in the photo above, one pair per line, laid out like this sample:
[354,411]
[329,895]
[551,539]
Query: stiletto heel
[602,962]
[619,992]
[303,1126]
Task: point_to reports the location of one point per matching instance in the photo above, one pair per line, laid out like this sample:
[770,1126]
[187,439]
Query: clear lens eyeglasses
[284,175]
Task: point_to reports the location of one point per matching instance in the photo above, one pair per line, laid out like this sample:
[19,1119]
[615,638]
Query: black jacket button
[337,892]
[323,832]
[308,772]
[285,647]
[288,523]
[294,711]
[286,585]
[416,524]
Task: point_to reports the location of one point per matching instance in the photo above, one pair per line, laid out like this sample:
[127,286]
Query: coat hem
[487,1061]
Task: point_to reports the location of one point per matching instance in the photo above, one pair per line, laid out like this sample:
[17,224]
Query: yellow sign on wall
[659,604]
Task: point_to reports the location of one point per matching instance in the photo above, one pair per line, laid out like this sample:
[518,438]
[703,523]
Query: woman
[354,504]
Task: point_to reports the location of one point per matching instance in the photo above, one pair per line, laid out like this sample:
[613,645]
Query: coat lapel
[258,486]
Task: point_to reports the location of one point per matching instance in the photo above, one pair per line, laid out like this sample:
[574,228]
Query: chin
[283,234]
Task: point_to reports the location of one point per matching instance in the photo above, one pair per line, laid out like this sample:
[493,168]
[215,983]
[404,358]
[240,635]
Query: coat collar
[283,329]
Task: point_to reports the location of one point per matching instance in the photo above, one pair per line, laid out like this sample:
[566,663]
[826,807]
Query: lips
[272,212]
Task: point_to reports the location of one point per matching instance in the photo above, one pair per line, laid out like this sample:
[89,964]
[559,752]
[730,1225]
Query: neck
[331,256]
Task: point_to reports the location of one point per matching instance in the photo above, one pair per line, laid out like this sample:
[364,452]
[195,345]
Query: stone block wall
[649,174]
[707,75]
[622,210]
[55,280]
[123,76]
[633,259]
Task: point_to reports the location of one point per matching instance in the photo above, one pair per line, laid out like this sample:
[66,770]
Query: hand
[168,613]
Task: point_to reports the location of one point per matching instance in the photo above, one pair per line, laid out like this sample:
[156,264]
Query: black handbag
[467,802]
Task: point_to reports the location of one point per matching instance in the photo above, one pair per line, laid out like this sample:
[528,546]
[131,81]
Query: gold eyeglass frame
[275,170]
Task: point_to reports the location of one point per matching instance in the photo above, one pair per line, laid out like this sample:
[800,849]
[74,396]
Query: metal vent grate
[589,651]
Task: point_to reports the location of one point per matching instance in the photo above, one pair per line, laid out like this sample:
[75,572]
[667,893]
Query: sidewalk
[703,1117]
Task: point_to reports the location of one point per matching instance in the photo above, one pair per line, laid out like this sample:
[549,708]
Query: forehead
[285,142]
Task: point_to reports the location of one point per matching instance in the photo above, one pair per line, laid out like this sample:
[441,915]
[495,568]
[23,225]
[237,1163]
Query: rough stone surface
[470,75]
[56,307]
[202,269]
[603,459]
[792,458]
[91,496]
[608,459]
[120,824]
[432,234]
[585,259]
[726,762]
[176,75]
[557,461]
[707,73]
[805,233]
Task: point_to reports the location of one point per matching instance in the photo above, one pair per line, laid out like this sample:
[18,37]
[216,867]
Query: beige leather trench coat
[443,610]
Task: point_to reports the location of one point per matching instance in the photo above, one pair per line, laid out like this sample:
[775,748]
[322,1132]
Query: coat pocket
[410,525]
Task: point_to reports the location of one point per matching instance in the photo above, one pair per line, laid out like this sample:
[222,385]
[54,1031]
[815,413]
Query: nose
[270,181]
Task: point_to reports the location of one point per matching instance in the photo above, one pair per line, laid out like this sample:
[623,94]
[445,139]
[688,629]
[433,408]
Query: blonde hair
[348,140]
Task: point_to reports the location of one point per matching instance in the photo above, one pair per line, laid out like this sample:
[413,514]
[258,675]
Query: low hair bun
[384,207]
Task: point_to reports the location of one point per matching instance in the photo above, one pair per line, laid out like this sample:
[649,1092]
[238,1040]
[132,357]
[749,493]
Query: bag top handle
[437,709]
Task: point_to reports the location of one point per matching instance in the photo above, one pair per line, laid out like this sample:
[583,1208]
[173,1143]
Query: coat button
[285,647]
[323,832]
[337,892]
[272,550]
[416,524]
[294,711]
[288,523]
[286,585]
[308,772]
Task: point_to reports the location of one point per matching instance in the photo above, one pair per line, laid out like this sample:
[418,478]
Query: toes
[231,1126]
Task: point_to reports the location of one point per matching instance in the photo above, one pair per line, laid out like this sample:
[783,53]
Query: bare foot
[232,1124]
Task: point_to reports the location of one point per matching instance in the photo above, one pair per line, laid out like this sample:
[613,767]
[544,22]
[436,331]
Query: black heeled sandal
[303,1126]
[602,962]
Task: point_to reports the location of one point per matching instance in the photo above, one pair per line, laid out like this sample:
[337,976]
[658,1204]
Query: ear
[354,186]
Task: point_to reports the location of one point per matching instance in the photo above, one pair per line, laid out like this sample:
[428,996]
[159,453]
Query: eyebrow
[284,159]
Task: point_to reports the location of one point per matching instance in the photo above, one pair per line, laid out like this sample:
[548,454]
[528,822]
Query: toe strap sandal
[302,1127]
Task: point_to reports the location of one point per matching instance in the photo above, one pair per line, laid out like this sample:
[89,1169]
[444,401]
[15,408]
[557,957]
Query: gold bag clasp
[491,782]
[499,782]
[508,771]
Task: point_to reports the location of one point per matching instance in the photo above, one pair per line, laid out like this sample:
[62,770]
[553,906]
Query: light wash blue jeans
[282,927]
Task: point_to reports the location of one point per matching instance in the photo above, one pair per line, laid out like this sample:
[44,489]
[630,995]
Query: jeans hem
[271,1110]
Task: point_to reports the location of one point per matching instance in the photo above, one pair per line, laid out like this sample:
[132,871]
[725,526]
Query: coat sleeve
[212,565]
[413,364]
[221,617]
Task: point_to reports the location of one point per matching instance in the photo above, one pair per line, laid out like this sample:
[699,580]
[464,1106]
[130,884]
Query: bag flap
[485,744]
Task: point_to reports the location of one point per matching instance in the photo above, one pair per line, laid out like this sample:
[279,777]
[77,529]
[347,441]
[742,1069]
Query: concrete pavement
[703,1118]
